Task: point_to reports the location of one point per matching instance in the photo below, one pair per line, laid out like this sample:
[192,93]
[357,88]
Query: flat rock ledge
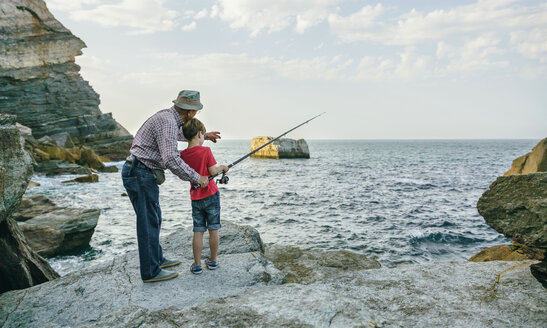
[248,291]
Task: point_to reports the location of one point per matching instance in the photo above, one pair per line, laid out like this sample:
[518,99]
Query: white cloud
[201,14]
[189,27]
[273,16]
[142,16]
[531,44]
[69,5]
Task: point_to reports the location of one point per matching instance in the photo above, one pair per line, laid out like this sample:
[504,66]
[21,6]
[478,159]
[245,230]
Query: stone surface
[539,270]
[32,206]
[516,206]
[508,253]
[534,161]
[41,84]
[20,266]
[281,148]
[85,297]
[308,266]
[451,294]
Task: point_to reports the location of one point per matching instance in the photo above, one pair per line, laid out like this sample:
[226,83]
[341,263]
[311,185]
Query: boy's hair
[191,128]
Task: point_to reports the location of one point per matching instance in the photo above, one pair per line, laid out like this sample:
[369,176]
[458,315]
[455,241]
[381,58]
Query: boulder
[60,231]
[62,139]
[308,266]
[56,167]
[52,230]
[516,206]
[109,169]
[32,185]
[41,84]
[85,179]
[20,266]
[281,148]
[534,161]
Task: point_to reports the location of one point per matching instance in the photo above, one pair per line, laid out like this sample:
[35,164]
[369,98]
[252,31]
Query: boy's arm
[215,169]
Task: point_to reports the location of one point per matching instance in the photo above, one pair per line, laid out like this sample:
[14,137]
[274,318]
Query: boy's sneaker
[211,265]
[196,269]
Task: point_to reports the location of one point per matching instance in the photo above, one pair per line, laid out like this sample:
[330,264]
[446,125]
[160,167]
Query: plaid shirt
[155,144]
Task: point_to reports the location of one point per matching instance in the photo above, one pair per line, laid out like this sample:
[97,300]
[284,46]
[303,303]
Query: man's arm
[167,143]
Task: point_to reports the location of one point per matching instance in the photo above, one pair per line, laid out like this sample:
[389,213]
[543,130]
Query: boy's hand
[225,168]
[213,136]
[203,181]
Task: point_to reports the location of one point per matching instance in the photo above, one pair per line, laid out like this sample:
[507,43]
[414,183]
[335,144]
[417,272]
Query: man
[154,149]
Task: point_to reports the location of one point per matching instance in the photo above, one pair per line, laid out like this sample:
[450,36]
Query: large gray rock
[281,148]
[452,294]
[57,167]
[20,266]
[41,84]
[516,206]
[85,297]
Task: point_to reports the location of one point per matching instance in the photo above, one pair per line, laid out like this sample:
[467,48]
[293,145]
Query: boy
[205,201]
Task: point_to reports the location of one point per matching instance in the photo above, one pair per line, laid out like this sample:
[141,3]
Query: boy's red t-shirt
[200,158]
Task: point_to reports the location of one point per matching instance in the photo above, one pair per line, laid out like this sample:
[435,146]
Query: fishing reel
[223,179]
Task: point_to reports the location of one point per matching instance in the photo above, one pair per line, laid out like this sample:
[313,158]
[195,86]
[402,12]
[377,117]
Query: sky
[379,69]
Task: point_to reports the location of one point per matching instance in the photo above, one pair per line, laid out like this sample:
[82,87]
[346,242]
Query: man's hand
[213,136]
[203,181]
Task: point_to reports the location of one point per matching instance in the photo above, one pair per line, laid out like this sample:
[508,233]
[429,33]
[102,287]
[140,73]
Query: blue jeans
[144,193]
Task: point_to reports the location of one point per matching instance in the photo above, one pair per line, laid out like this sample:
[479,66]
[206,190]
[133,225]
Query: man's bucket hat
[188,99]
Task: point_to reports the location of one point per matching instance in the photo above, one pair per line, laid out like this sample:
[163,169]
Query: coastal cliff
[41,84]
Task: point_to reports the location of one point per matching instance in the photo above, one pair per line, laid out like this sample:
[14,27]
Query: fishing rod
[224,179]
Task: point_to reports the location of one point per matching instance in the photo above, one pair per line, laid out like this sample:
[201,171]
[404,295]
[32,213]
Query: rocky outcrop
[20,266]
[52,230]
[516,206]
[85,179]
[41,84]
[515,252]
[308,266]
[534,161]
[281,148]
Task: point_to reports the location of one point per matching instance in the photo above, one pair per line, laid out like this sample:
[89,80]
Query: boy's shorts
[206,213]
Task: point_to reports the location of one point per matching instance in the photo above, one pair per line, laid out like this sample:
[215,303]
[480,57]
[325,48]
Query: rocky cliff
[41,84]
[281,148]
[20,266]
[534,161]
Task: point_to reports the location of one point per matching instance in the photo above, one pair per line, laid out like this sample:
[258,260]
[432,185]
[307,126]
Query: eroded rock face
[41,84]
[534,161]
[20,266]
[516,206]
[281,148]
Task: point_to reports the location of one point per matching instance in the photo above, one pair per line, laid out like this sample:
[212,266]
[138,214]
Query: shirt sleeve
[167,143]
[210,158]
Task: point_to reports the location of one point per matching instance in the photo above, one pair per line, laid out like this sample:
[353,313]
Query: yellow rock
[534,161]
[281,148]
[515,252]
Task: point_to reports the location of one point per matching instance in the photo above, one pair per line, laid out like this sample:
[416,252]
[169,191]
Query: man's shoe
[162,276]
[169,263]
[211,265]
[196,269]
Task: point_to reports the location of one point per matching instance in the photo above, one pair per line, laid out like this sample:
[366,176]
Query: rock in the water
[534,161]
[56,167]
[516,206]
[85,179]
[308,266]
[281,148]
[109,169]
[508,253]
[20,266]
[52,230]
[41,84]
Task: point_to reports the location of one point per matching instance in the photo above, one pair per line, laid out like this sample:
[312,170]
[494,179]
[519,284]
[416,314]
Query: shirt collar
[177,116]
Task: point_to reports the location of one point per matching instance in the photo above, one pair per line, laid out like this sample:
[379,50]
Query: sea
[397,201]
